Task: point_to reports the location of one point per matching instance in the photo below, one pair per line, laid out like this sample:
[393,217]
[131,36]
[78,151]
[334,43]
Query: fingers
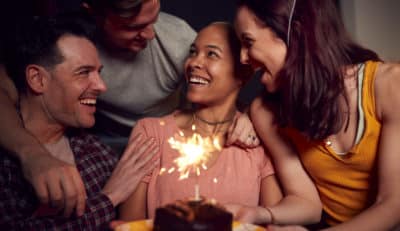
[74,193]
[148,162]
[242,133]
[252,140]
[243,137]
[138,159]
[56,183]
[68,191]
[40,187]
[63,190]
[81,197]
[149,167]
[141,151]
[132,144]
[147,157]
[70,199]
[55,192]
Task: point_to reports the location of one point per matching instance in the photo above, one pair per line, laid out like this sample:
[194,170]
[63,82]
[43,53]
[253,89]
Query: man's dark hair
[35,42]
[123,8]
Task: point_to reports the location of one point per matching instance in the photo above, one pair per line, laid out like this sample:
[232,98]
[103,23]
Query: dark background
[197,13]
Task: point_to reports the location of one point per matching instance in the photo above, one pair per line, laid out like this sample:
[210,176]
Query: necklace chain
[217,126]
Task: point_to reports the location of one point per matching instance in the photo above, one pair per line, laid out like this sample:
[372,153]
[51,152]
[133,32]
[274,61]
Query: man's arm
[98,213]
[54,181]
[100,208]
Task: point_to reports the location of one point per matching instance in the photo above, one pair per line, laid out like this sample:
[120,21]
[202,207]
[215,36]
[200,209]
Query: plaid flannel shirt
[18,201]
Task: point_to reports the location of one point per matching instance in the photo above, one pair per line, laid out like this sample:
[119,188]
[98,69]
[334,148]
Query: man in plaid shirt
[55,68]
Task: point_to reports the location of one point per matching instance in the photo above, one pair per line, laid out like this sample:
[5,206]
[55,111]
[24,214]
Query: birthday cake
[192,216]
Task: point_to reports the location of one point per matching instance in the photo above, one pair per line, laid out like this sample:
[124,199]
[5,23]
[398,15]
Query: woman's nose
[196,61]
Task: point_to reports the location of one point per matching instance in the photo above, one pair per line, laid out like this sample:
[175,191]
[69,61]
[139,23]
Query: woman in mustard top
[330,115]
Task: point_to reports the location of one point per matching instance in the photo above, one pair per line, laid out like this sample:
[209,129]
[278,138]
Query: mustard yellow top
[346,184]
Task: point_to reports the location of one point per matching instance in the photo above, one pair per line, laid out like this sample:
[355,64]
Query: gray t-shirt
[146,84]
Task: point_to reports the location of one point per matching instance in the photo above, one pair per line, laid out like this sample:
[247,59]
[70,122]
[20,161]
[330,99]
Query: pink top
[238,171]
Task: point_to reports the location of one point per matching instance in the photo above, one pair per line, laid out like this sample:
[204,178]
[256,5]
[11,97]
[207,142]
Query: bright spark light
[194,152]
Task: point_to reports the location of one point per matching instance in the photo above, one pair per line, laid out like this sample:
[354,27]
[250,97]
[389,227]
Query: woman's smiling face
[210,70]
[261,47]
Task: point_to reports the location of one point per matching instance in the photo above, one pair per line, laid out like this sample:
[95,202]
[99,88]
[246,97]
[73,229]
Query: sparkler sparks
[194,152]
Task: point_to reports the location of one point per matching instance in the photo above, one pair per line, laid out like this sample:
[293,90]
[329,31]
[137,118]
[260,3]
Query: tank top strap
[368,91]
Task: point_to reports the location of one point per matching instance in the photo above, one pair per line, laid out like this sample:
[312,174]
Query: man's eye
[84,72]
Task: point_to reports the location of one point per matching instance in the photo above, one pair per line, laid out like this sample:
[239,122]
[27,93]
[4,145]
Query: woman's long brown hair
[311,80]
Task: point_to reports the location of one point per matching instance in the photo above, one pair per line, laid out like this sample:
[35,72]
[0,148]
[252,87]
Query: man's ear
[36,78]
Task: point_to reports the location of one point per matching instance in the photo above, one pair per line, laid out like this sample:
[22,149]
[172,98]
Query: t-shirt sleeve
[266,166]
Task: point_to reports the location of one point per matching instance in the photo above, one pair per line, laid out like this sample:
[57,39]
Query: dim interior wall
[375,25]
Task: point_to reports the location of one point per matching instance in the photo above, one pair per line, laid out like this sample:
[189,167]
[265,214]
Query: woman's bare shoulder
[388,70]
[387,87]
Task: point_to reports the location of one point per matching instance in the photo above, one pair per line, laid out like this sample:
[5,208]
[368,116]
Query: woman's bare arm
[300,203]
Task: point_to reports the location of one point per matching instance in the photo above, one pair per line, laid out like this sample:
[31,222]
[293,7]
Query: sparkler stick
[197,192]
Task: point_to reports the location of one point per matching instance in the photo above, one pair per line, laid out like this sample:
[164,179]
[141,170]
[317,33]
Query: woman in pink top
[235,175]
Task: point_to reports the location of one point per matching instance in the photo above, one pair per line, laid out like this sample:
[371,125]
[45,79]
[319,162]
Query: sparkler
[195,151]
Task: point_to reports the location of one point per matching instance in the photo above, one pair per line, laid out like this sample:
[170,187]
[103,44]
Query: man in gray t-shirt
[143,52]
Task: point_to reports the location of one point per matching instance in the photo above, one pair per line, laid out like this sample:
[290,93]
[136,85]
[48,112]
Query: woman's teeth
[198,80]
